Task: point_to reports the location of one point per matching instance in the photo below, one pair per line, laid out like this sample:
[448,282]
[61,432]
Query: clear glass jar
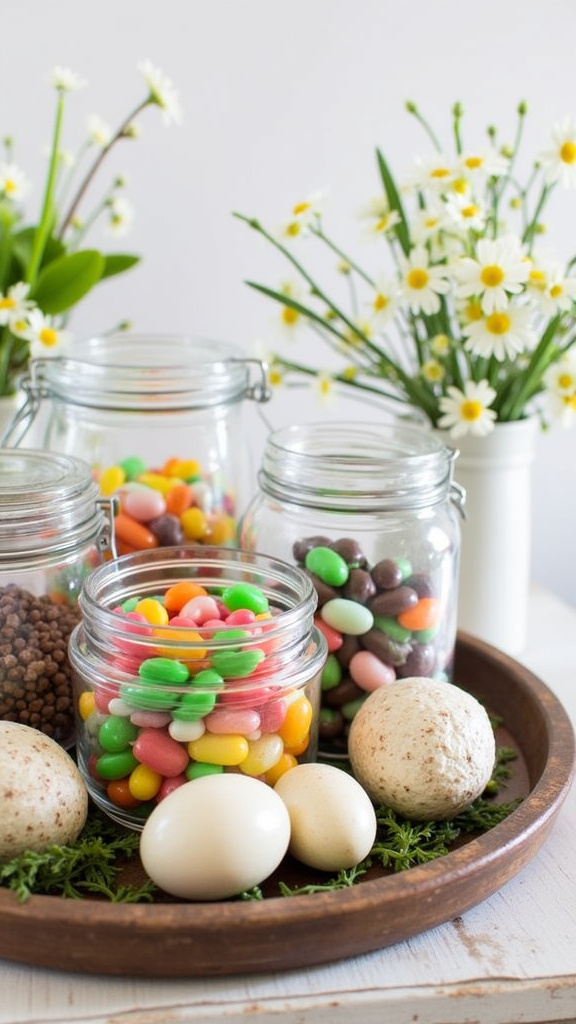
[370,512]
[159,704]
[53,532]
[153,413]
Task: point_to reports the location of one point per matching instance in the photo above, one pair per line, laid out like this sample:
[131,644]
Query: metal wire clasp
[258,390]
[456,492]
[35,389]
[110,505]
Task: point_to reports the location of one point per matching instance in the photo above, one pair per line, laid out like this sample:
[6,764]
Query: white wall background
[282,98]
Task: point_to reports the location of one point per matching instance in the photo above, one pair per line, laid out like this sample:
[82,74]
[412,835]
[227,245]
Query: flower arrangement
[469,323]
[45,270]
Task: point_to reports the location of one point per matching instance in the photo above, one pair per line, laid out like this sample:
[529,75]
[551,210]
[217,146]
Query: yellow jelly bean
[296,724]
[86,704]
[144,783]
[189,636]
[221,530]
[283,765]
[157,481]
[262,755]
[264,615]
[111,479]
[186,468]
[154,612]
[194,523]
[225,748]
[299,748]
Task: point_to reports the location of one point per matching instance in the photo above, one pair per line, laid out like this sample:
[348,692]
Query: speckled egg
[424,747]
[43,799]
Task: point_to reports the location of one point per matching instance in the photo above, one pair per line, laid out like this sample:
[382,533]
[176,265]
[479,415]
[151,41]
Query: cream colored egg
[333,822]
[214,837]
[43,799]
[424,747]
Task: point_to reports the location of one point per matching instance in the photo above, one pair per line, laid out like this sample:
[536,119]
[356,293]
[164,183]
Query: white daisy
[120,216]
[421,283]
[559,162]
[14,184]
[426,223]
[550,289]
[302,216]
[464,212]
[500,269]
[502,334]
[66,80]
[468,412]
[379,218]
[440,345]
[384,301]
[323,385]
[99,132]
[477,165]
[434,172]
[46,340]
[560,388]
[162,92]
[291,319]
[14,305]
[432,371]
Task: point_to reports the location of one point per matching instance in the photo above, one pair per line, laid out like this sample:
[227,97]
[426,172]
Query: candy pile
[205,698]
[171,505]
[381,623]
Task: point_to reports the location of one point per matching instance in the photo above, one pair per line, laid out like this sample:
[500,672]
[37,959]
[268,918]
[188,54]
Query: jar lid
[360,467]
[47,503]
[146,372]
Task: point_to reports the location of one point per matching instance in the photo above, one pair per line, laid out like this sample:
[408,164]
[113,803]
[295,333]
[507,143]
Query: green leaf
[67,280]
[22,247]
[395,203]
[118,263]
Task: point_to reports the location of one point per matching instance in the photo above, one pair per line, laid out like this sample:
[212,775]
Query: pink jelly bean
[200,609]
[103,695]
[252,696]
[334,639]
[151,719]
[168,786]
[241,617]
[139,625]
[160,752]
[144,504]
[240,722]
[368,672]
[272,715]
[185,621]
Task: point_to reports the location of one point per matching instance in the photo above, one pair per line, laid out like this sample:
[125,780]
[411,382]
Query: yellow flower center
[568,153]
[556,291]
[293,229]
[10,185]
[492,276]
[381,302]
[431,222]
[473,311]
[274,377]
[300,208]
[440,172]
[538,278]
[7,302]
[498,323]
[324,384]
[570,401]
[469,211]
[350,372]
[565,380]
[48,336]
[382,223]
[471,410]
[432,371]
[290,316]
[418,278]
[460,186]
[473,162]
[440,344]
[19,326]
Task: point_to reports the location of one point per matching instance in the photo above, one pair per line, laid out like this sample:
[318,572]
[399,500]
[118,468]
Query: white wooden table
[511,959]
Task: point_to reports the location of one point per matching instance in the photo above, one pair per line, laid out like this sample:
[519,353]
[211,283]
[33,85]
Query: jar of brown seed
[53,531]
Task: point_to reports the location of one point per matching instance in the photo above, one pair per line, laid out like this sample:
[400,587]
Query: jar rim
[364,466]
[145,372]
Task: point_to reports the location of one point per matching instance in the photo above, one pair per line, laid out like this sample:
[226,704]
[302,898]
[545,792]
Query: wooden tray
[177,939]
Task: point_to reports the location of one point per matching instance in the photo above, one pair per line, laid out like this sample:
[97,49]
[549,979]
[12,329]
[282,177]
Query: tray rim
[519,837]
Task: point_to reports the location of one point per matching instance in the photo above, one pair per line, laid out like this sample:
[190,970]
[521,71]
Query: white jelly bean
[144,504]
[185,732]
[119,707]
[348,617]
[151,719]
[200,610]
[223,720]
[368,672]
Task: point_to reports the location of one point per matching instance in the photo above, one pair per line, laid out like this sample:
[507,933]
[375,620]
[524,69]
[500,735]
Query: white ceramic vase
[496,534]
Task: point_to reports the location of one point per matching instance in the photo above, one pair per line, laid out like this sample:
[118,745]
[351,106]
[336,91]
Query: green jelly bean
[347,617]
[149,698]
[352,707]
[405,567]
[116,766]
[231,634]
[424,636]
[143,810]
[194,706]
[245,595]
[130,604]
[392,628]
[328,565]
[116,734]
[197,769]
[133,467]
[208,678]
[327,716]
[164,671]
[331,673]
[231,664]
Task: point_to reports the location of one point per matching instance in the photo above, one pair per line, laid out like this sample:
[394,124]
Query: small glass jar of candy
[371,514]
[159,420]
[192,661]
[53,533]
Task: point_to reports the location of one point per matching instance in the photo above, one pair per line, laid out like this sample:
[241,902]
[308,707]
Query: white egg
[214,837]
[43,799]
[424,747]
[333,822]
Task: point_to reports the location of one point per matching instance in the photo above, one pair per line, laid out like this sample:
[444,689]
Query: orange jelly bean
[180,593]
[423,615]
[119,793]
[133,533]
[179,498]
[296,725]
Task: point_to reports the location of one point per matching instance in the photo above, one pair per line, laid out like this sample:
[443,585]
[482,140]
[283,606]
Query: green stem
[457,113]
[331,245]
[47,216]
[528,236]
[513,407]
[6,342]
[413,109]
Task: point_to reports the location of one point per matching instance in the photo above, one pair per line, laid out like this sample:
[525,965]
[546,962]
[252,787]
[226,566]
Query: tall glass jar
[159,420]
[193,661]
[370,513]
[53,532]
